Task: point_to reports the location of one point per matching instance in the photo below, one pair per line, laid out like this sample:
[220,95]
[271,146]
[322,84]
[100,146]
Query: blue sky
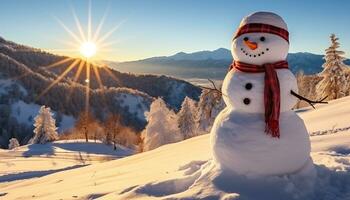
[164,27]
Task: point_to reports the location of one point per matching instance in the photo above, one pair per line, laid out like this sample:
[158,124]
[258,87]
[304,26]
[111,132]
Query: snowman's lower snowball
[240,145]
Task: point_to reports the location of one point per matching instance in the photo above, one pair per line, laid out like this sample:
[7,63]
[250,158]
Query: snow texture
[239,142]
[7,84]
[183,170]
[134,103]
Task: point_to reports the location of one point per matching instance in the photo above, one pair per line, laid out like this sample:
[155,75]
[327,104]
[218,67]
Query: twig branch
[311,102]
[215,89]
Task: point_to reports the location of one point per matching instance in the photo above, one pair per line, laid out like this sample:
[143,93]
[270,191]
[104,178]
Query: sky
[165,27]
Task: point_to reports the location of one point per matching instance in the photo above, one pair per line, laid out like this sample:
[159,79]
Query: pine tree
[333,74]
[45,126]
[186,118]
[161,128]
[13,143]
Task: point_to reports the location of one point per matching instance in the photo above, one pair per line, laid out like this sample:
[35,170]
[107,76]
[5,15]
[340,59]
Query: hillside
[210,64]
[26,72]
[172,90]
[183,170]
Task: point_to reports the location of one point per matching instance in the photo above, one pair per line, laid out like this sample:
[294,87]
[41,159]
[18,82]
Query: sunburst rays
[80,38]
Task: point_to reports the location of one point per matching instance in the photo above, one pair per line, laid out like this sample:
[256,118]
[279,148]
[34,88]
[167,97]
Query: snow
[239,141]
[234,90]
[184,170]
[66,123]
[26,112]
[320,120]
[134,103]
[36,160]
[6,84]
[264,18]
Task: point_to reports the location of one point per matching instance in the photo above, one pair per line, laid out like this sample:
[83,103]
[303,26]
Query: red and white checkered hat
[263,22]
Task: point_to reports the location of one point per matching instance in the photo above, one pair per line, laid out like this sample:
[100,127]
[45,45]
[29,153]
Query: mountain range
[210,64]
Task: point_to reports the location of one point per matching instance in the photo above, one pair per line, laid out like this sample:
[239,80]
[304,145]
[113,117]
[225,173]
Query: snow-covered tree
[333,74]
[161,128]
[187,118]
[209,105]
[13,143]
[45,126]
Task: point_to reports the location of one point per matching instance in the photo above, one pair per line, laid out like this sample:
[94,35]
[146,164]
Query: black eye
[262,39]
[245,38]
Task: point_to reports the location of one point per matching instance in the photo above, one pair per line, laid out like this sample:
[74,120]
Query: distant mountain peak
[217,54]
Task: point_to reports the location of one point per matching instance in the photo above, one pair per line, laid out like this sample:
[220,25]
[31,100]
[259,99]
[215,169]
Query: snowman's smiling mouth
[245,52]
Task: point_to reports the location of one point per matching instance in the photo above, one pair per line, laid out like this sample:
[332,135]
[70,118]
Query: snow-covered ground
[37,160]
[184,170]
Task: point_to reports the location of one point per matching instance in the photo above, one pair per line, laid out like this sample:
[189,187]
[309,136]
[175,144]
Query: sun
[88,49]
[88,43]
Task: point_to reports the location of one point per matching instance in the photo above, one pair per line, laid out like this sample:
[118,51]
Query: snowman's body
[239,141]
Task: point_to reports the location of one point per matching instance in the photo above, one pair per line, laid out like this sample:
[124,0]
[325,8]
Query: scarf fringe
[272,128]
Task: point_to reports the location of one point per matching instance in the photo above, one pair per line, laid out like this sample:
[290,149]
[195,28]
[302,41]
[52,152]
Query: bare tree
[84,123]
[112,128]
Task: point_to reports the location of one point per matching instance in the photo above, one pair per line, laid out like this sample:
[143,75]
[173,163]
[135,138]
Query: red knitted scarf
[272,98]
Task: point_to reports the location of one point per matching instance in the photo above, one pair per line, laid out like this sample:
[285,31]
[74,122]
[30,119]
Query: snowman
[258,134]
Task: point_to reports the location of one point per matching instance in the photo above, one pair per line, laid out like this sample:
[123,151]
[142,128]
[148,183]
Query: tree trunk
[86,134]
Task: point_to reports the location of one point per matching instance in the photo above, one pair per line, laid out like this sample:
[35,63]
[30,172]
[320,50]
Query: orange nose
[251,45]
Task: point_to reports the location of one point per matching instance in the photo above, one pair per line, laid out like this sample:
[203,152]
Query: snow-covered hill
[184,171]
[37,160]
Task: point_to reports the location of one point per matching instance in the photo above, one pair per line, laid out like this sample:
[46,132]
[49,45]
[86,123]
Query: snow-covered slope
[184,171]
[37,160]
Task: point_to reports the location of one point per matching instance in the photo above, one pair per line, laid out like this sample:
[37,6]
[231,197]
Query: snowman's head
[261,38]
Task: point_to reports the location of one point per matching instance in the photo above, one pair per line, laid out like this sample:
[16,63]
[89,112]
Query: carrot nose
[251,45]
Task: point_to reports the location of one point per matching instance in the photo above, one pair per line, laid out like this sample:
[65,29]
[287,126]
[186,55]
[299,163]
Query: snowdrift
[184,171]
